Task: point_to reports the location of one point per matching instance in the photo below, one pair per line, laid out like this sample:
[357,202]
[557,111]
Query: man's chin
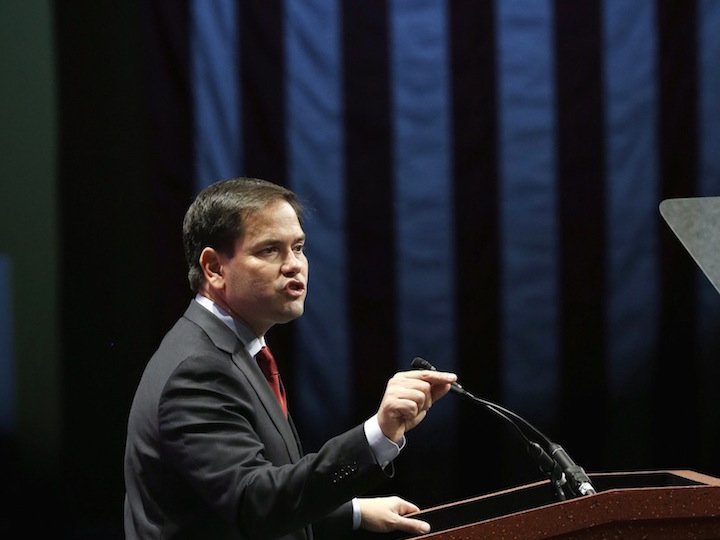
[293,313]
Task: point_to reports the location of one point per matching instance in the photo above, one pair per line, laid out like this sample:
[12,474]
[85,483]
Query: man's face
[265,281]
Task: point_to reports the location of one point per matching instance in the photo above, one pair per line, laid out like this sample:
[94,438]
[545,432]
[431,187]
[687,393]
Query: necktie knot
[267,364]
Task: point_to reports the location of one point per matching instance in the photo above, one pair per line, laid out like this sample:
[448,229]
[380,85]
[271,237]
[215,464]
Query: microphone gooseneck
[565,476]
[421,363]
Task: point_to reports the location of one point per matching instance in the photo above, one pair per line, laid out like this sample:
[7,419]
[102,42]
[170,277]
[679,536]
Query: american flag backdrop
[482,181]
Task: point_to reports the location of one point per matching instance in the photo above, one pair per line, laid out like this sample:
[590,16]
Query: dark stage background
[483,181]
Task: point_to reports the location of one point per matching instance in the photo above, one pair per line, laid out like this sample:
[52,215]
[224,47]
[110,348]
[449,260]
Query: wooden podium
[655,505]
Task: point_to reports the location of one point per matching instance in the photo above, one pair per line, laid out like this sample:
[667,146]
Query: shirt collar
[252,343]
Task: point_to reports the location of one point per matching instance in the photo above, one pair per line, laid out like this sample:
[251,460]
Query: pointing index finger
[433,376]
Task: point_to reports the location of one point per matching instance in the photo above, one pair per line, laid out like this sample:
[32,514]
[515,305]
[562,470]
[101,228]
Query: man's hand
[385,514]
[408,396]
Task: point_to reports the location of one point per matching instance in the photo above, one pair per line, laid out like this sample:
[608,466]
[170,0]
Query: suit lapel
[226,340]
[252,371]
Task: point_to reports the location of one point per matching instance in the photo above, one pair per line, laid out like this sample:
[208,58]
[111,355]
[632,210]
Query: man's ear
[211,264]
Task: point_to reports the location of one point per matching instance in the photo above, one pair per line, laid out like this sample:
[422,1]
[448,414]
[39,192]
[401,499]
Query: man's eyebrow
[277,240]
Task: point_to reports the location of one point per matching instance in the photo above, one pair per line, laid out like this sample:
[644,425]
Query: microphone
[421,363]
[553,460]
[579,481]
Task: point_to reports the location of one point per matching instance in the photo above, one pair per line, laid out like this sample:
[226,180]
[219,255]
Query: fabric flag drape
[483,182]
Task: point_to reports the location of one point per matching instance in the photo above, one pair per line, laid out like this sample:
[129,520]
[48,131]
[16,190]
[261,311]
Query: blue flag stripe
[630,70]
[421,131]
[632,180]
[316,173]
[215,90]
[528,208]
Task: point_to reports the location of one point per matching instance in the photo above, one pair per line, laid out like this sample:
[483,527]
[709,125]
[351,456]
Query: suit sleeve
[218,436]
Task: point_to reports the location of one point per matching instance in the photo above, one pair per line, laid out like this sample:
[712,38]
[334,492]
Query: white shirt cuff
[357,515]
[382,448]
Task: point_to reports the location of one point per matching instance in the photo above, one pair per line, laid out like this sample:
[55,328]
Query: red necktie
[267,364]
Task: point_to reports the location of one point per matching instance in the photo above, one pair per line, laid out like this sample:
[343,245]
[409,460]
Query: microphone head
[421,363]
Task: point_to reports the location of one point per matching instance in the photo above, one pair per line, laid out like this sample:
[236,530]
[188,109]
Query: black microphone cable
[557,468]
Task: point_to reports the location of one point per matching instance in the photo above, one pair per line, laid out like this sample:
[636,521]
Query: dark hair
[217,215]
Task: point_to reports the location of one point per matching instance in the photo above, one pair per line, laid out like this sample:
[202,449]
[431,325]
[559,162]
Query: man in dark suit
[211,452]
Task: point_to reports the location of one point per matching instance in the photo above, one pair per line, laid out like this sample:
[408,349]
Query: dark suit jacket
[209,453]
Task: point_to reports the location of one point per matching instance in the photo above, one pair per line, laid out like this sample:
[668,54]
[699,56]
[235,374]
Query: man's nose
[292,263]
